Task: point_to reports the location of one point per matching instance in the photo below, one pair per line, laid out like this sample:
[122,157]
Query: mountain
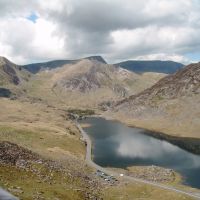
[171,105]
[39,140]
[88,83]
[11,73]
[36,67]
[94,81]
[167,67]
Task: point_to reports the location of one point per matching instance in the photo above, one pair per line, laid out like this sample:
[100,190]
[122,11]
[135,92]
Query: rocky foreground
[41,172]
[150,173]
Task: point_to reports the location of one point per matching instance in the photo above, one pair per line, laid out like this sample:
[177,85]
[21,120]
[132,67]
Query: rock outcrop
[11,73]
[91,75]
[183,83]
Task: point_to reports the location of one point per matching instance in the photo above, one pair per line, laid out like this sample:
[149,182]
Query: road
[89,161]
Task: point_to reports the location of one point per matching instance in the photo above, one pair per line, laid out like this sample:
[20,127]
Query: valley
[36,122]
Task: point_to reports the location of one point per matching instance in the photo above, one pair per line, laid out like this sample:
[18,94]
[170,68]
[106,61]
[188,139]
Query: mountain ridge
[11,73]
[141,66]
[36,67]
[137,66]
[185,79]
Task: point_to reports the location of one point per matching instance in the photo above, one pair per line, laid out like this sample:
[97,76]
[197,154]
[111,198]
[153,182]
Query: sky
[39,30]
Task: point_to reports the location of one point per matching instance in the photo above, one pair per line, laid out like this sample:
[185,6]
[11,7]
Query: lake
[117,145]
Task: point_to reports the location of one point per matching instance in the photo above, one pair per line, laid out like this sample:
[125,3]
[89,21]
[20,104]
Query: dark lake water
[116,145]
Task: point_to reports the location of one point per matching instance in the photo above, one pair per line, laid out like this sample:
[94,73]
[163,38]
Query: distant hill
[167,67]
[36,67]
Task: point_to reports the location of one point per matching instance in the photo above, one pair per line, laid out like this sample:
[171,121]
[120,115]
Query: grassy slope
[38,127]
[140,191]
[173,117]
[43,130]
[31,185]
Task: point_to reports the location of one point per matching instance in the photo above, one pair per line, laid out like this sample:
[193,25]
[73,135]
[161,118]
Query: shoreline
[89,161]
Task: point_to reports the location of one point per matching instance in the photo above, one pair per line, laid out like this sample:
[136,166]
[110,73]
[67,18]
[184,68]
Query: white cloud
[24,41]
[16,37]
[141,147]
[139,29]
[162,56]
[46,41]
[13,8]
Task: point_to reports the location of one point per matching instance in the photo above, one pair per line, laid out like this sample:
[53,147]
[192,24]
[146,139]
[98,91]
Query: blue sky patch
[193,56]
[33,17]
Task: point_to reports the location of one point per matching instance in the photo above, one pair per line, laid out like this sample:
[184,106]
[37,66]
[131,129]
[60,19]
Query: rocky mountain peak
[96,58]
[3,60]
[9,69]
[10,72]
[91,75]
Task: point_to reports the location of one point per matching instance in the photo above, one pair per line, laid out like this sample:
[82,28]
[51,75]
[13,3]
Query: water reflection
[117,145]
[142,147]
